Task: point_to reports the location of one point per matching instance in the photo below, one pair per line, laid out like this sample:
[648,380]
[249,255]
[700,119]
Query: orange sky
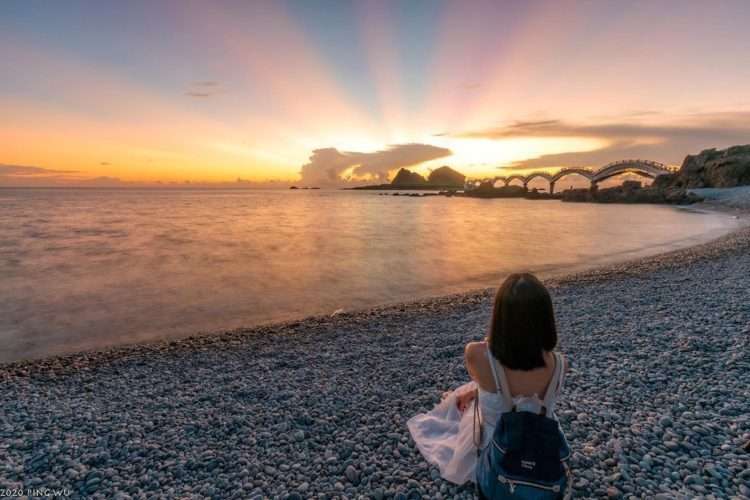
[199,92]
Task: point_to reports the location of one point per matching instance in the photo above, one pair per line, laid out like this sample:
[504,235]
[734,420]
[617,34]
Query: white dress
[445,436]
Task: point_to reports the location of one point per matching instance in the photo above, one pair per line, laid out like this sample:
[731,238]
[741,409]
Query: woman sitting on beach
[509,371]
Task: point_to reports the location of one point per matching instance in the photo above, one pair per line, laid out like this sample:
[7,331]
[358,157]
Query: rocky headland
[713,168]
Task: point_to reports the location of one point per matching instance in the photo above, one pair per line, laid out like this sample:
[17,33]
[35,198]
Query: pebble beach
[656,404]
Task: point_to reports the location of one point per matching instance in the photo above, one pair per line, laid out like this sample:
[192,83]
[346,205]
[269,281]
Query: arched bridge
[645,168]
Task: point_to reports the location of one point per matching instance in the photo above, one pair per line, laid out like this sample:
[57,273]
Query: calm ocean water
[81,269]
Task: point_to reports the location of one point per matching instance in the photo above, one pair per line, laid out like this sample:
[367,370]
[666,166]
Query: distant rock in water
[407,179]
[446,177]
[714,168]
[488,190]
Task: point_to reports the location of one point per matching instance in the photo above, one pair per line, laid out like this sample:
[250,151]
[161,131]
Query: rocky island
[443,178]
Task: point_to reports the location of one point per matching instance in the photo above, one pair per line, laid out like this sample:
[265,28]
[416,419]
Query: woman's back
[528,390]
[520,382]
[515,369]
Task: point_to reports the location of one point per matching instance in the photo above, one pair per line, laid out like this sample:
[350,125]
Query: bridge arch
[470,184]
[515,177]
[542,175]
[500,178]
[643,168]
[583,172]
[646,168]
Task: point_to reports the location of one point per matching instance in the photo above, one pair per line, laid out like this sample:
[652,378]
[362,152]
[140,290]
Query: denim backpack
[527,457]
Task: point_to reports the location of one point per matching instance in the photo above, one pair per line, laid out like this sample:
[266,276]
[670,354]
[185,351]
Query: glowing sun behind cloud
[260,91]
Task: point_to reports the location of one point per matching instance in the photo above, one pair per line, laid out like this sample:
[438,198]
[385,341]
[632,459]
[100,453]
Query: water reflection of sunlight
[214,260]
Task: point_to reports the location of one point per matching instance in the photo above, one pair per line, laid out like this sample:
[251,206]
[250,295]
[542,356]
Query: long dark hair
[523,323]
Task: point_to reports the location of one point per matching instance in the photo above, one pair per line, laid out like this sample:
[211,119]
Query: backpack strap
[562,374]
[501,383]
[555,383]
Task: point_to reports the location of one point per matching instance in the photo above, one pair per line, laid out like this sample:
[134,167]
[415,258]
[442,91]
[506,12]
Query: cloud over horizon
[331,166]
[669,142]
[28,175]
[27,171]
[33,176]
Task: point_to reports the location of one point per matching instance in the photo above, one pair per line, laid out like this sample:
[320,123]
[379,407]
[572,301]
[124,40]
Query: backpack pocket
[530,447]
[522,484]
[526,459]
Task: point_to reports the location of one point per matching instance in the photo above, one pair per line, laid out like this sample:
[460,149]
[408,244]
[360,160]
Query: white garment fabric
[445,436]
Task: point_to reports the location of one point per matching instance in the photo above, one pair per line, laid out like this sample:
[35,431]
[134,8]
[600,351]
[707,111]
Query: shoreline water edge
[657,400]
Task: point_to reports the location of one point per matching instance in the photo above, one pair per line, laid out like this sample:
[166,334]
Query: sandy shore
[657,402]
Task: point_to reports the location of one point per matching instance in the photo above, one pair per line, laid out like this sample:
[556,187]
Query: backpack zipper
[499,447]
[512,483]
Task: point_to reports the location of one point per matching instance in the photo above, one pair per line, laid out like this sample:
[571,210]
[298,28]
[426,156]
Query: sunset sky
[326,92]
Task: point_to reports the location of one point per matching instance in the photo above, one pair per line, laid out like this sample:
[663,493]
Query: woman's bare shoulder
[475,349]
[477,364]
